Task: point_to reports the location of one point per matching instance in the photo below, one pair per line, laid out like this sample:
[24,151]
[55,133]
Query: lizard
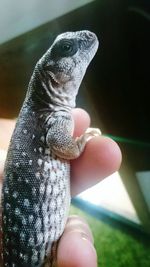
[36,187]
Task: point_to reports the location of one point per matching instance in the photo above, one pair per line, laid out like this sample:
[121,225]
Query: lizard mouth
[53,79]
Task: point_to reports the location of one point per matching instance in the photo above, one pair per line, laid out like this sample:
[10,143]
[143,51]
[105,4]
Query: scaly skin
[36,190]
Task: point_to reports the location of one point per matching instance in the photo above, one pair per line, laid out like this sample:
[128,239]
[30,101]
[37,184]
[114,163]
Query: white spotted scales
[36,190]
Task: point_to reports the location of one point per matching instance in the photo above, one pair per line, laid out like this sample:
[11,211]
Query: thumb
[75,247]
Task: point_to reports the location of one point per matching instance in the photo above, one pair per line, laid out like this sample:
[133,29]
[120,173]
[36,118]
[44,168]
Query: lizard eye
[67,47]
[64,48]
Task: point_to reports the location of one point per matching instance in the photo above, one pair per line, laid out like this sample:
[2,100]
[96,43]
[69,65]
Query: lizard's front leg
[60,139]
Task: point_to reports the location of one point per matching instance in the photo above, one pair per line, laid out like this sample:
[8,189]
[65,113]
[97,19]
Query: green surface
[114,247]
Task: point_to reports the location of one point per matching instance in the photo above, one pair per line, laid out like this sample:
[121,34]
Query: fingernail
[85,237]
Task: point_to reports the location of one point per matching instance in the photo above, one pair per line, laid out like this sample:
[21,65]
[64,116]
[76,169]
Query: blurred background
[115,92]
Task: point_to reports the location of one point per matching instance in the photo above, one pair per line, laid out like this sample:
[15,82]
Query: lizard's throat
[53,97]
[60,95]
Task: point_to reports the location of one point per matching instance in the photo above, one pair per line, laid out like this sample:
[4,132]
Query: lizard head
[65,63]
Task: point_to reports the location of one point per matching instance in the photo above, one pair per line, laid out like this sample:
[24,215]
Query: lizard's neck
[41,91]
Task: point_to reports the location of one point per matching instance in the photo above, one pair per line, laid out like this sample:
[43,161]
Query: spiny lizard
[36,190]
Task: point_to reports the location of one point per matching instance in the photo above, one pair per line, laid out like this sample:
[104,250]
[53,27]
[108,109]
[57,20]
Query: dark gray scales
[36,190]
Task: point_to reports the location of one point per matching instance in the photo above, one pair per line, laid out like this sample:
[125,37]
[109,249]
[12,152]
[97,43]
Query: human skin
[100,159]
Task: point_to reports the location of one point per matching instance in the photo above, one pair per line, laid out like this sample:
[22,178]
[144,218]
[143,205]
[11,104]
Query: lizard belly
[35,209]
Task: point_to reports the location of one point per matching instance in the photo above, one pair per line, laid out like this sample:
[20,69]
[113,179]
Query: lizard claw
[93,131]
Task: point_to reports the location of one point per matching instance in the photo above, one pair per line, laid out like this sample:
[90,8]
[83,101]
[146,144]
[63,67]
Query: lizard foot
[92,132]
[89,134]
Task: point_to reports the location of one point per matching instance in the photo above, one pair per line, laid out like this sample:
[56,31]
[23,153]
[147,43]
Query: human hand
[101,158]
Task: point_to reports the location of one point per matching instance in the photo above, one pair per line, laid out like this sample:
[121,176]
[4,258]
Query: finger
[100,159]
[76,245]
[2,161]
[6,127]
[81,121]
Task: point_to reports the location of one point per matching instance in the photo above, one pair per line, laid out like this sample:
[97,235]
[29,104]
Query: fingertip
[108,154]
[81,120]
[75,249]
[76,245]
[101,158]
